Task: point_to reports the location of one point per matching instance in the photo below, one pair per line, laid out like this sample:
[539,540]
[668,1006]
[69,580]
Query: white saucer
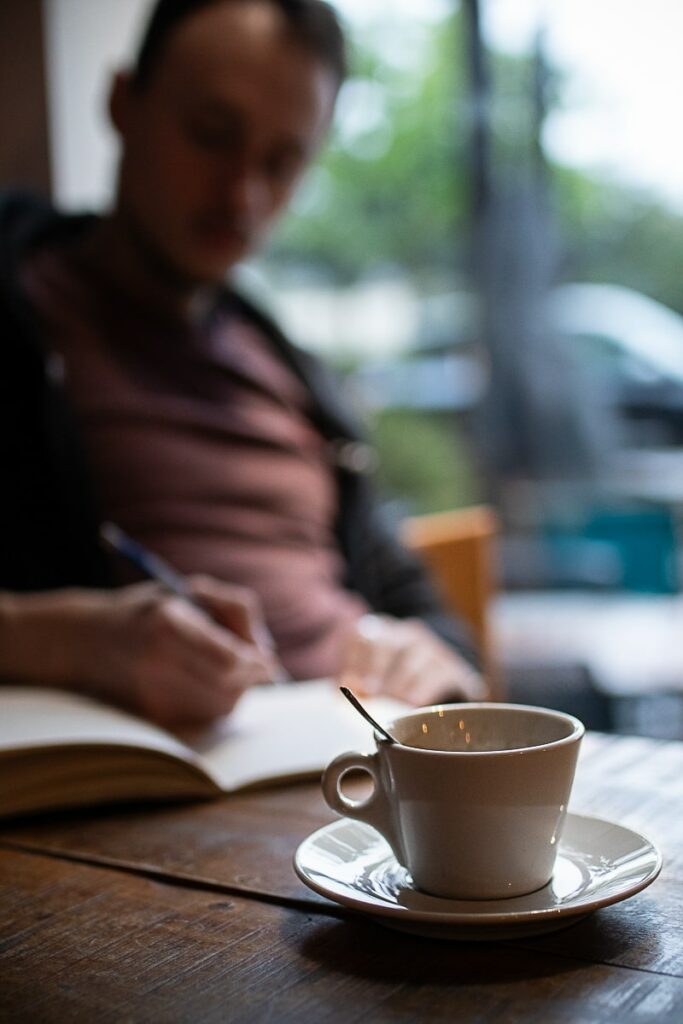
[598,863]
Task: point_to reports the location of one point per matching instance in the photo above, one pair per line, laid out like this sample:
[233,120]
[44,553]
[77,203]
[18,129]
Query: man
[138,388]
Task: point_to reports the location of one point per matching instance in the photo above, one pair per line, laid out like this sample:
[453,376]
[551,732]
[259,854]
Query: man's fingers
[406,659]
[361,670]
[379,650]
[236,608]
[217,652]
[195,671]
[441,685]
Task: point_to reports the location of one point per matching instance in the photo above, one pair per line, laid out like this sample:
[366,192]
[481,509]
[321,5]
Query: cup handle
[375,810]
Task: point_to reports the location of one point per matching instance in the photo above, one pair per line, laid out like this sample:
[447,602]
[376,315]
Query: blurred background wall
[86,40]
[25,152]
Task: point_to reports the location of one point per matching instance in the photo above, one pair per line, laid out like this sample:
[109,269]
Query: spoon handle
[352,699]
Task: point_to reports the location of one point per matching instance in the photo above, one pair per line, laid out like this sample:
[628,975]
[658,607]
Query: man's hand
[142,647]
[403,658]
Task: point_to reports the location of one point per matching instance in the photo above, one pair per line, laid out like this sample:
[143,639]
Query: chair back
[458,549]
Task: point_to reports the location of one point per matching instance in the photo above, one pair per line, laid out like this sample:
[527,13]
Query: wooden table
[194,913]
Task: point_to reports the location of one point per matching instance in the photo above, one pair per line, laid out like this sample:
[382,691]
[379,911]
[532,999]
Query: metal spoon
[352,699]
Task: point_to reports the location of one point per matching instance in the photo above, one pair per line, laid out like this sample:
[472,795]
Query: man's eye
[211,136]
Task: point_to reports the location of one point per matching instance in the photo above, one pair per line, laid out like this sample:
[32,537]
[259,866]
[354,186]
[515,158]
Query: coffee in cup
[472,798]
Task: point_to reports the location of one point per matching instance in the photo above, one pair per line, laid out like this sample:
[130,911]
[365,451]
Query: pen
[146,561]
[156,568]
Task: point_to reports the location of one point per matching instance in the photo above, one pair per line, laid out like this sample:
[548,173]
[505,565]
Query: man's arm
[139,647]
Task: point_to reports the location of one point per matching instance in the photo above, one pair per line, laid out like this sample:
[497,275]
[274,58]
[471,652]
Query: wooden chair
[458,549]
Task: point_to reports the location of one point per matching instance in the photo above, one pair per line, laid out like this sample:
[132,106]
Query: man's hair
[313,24]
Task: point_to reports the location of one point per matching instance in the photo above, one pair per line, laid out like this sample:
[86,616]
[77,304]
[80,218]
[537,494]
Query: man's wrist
[48,638]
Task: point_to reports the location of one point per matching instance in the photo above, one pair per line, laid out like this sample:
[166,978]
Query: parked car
[636,345]
[631,342]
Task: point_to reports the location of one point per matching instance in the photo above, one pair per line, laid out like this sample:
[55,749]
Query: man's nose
[244,188]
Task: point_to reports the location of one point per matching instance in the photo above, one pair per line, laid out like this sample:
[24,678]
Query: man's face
[215,143]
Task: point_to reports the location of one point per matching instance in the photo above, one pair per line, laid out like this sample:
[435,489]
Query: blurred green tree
[620,236]
[424,459]
[392,196]
[390,190]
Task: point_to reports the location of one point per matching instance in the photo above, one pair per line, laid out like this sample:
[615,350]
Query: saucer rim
[472,918]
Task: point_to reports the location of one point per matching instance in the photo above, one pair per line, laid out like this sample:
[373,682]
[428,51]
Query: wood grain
[246,842]
[249,839]
[79,943]
[225,931]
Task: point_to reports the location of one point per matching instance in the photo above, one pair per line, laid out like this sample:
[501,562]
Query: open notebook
[58,749]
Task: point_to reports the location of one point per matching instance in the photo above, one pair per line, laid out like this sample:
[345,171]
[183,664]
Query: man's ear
[120,102]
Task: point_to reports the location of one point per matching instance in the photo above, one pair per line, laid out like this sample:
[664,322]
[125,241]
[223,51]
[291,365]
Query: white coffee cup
[472,798]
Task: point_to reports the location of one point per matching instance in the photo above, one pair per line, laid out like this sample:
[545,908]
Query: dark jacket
[48,515]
